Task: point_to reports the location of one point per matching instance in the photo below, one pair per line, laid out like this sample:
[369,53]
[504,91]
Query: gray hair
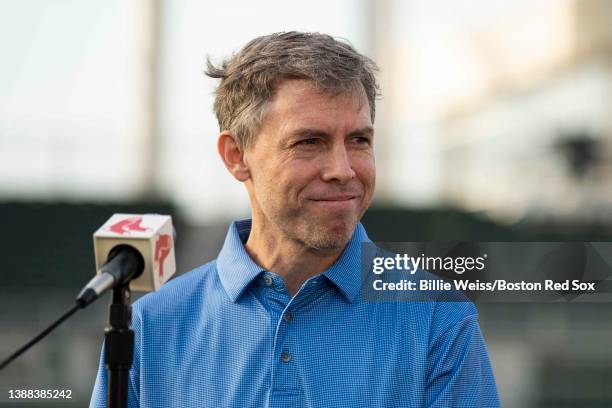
[250,77]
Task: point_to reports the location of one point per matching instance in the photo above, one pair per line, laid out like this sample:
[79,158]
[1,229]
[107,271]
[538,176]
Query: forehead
[301,103]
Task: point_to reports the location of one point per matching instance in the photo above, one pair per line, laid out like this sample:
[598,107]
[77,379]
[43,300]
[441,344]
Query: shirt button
[285,357]
[288,317]
[267,280]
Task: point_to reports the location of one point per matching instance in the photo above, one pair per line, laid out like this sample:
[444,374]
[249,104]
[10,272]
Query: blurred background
[495,125]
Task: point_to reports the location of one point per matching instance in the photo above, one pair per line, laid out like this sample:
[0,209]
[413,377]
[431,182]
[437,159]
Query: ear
[233,156]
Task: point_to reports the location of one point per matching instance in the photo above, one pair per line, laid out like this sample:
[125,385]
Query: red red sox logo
[126,225]
[163,245]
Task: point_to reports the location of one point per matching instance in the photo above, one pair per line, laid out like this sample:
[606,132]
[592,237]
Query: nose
[338,166]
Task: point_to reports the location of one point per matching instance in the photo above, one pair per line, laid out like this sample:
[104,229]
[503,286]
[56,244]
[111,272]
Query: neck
[288,258]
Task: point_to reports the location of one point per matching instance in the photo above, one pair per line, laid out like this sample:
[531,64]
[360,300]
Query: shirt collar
[237,269]
[345,273]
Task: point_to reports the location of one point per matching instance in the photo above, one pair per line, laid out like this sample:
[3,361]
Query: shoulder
[446,315]
[447,307]
[434,309]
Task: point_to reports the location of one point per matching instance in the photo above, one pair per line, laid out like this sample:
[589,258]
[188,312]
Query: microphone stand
[119,347]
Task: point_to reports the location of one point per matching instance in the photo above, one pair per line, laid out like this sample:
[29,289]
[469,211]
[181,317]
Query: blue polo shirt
[228,334]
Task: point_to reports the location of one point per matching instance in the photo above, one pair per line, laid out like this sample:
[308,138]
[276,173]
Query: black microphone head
[125,263]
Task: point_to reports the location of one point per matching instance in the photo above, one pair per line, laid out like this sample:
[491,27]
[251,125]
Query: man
[277,320]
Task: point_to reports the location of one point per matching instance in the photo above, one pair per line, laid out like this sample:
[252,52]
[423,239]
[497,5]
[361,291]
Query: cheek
[366,170]
[282,184]
[300,172]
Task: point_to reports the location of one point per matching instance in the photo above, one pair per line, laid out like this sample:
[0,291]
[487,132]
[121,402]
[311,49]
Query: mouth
[339,202]
[338,198]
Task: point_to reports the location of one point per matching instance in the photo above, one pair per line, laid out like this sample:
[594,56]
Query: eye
[309,141]
[361,140]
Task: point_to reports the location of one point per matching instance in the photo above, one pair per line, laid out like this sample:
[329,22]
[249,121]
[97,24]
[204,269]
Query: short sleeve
[459,370]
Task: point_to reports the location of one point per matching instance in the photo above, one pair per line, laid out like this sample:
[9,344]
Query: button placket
[284,374]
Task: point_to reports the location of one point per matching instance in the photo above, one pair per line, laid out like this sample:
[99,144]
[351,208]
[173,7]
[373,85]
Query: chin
[334,236]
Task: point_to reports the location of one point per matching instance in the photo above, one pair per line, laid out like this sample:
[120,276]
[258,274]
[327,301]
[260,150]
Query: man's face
[312,171]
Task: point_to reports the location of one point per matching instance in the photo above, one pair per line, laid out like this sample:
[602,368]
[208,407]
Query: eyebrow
[365,131]
[309,132]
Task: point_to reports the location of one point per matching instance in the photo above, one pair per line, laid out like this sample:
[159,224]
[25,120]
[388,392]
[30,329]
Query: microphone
[134,249]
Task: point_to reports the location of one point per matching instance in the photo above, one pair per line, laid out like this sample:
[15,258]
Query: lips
[335,202]
[343,197]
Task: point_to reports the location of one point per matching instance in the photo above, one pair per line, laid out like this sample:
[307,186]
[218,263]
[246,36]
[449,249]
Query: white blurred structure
[498,105]
[534,139]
